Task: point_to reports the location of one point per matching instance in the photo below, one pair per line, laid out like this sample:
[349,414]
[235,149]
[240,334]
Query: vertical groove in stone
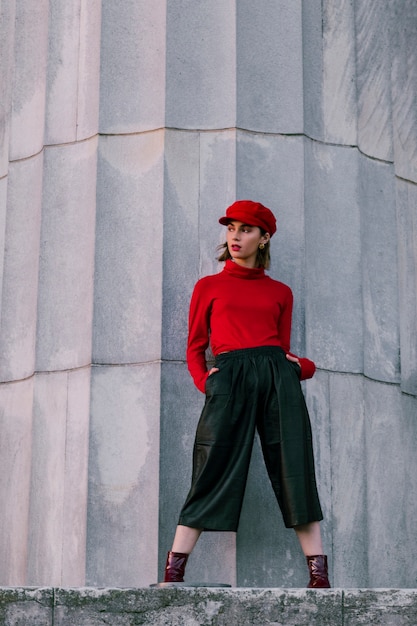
[379,270]
[62,75]
[16,404]
[333,258]
[88,86]
[406,204]
[339,71]
[128,259]
[7,35]
[29,78]
[404,89]
[58,502]
[349,480]
[20,270]
[374,28]
[65,302]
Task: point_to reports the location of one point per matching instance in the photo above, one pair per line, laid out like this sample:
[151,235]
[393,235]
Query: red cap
[251,213]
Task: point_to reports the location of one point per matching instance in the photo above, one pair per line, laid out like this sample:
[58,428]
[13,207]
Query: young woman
[255,384]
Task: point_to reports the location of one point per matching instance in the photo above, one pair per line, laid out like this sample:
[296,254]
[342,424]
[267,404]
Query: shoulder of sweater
[279,284]
[206,280]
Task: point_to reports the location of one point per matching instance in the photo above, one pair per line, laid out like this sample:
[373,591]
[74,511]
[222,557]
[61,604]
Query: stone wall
[125,130]
[212,607]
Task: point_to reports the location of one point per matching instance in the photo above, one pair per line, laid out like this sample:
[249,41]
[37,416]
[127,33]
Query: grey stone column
[51,113]
[126,378]
[125,131]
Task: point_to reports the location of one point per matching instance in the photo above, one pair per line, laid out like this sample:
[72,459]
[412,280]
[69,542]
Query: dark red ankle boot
[175,567]
[317,566]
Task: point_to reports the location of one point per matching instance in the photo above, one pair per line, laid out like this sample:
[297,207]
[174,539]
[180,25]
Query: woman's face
[243,242]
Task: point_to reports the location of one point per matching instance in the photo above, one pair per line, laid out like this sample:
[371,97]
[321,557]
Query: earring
[261,246]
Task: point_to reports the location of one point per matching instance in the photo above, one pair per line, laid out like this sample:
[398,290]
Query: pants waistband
[250,352]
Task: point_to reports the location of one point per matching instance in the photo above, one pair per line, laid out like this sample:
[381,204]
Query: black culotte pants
[254,388]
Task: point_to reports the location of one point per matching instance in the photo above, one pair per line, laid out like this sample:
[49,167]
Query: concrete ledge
[185,606]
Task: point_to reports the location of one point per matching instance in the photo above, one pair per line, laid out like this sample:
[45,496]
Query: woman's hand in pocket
[293,359]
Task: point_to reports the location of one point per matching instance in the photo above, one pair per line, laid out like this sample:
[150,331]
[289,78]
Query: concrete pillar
[58,497]
[7,34]
[3,211]
[388,508]
[73,75]
[123,483]
[201,64]
[330,101]
[269,73]
[133,59]
[379,270]
[349,481]
[406,204]
[374,28]
[308,106]
[20,238]
[65,303]
[333,258]
[125,409]
[29,78]
[404,89]
[15,453]
[20,270]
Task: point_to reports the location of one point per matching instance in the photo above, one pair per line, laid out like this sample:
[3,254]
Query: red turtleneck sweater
[238,308]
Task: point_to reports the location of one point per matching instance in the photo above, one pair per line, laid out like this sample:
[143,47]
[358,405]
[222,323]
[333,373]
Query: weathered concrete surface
[16,400]
[66,269]
[347,460]
[308,106]
[128,263]
[29,78]
[7,33]
[26,607]
[376,189]
[58,498]
[20,270]
[373,79]
[390,607]
[333,258]
[198,607]
[133,59]
[72,90]
[330,99]
[404,96]
[406,204]
[200,64]
[269,89]
[123,474]
[207,607]
[388,508]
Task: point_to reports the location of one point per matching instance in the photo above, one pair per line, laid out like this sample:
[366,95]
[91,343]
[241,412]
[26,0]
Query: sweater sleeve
[307,367]
[198,335]
[285,321]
